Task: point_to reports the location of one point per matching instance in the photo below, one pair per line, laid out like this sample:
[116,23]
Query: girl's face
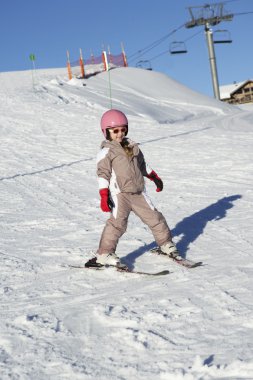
[118,133]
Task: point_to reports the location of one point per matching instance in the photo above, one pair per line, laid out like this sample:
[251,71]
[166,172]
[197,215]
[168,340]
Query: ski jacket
[120,172]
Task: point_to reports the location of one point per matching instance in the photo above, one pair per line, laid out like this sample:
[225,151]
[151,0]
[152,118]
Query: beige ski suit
[124,175]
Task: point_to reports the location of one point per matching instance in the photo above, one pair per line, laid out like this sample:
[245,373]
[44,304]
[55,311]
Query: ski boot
[170,249]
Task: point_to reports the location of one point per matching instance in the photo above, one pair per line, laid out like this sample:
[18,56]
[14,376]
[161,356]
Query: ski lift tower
[209,15]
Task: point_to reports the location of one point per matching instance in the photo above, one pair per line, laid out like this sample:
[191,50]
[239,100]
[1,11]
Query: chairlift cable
[195,34]
[229,1]
[154,44]
[167,51]
[242,13]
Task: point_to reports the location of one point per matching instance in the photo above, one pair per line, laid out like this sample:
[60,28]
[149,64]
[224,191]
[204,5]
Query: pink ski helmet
[113,118]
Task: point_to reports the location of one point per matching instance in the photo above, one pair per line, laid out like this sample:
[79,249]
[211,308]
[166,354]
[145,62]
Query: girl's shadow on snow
[190,228]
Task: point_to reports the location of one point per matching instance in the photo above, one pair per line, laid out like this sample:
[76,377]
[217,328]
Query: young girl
[121,169]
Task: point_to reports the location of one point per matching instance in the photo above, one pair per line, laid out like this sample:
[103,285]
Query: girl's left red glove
[104,202]
[154,177]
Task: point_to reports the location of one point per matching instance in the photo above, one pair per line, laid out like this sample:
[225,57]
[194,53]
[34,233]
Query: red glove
[104,202]
[154,177]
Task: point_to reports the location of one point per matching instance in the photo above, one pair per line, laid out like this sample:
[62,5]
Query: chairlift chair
[222,37]
[144,65]
[177,47]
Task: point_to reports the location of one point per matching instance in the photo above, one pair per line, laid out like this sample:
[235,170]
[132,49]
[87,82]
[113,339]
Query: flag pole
[32,59]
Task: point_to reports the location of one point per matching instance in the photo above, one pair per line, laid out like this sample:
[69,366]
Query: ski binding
[178,259]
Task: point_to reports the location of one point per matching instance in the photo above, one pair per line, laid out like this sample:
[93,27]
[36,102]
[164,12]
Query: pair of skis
[92,264]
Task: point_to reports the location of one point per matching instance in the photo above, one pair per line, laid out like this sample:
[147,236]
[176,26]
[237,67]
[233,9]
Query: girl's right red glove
[104,202]
[154,177]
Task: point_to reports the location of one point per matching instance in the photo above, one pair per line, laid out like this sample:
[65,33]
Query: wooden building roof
[228,90]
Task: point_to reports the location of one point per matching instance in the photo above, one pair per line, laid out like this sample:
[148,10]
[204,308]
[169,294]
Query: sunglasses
[117,130]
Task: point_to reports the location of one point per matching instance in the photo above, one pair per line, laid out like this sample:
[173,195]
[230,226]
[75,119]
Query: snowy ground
[61,323]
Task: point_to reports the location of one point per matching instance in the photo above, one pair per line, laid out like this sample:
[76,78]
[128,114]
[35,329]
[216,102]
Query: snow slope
[61,323]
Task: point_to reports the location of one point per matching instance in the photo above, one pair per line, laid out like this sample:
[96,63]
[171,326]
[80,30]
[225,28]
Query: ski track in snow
[61,323]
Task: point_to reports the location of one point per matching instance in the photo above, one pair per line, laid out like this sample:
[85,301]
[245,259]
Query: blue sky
[48,28]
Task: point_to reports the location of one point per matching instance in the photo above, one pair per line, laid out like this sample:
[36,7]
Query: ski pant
[116,225]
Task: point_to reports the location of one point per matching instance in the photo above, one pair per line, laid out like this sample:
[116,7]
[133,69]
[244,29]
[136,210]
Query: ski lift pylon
[178,47]
[221,36]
